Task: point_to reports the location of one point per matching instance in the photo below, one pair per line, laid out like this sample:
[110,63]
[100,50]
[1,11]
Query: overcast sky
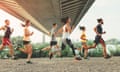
[107,9]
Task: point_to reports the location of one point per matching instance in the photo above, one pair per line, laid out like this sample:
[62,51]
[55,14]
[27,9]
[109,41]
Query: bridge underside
[43,13]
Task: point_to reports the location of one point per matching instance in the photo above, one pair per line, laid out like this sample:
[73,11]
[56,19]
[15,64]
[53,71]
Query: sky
[107,9]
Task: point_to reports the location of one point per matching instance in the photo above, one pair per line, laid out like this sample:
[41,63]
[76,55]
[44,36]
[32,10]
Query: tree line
[37,53]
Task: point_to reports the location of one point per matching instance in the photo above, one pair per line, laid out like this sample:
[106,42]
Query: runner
[66,31]
[54,48]
[26,42]
[98,39]
[84,40]
[6,38]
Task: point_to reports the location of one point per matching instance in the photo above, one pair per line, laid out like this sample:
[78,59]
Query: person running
[66,31]
[26,42]
[54,48]
[6,38]
[98,38]
[84,40]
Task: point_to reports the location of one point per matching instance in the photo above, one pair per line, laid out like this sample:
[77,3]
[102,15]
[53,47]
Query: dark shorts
[52,43]
[83,43]
[98,39]
[6,41]
[26,42]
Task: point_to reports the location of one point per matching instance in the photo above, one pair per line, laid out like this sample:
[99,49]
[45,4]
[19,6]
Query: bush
[67,52]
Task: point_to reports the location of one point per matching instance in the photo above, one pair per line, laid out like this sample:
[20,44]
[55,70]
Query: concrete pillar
[59,40]
[43,38]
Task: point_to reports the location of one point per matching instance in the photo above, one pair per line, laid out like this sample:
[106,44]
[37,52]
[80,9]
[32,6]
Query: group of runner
[26,40]
[54,48]
[66,30]
[98,39]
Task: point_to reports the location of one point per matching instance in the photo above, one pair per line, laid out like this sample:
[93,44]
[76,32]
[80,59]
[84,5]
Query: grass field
[94,64]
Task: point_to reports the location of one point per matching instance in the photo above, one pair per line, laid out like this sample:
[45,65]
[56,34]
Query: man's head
[54,25]
[27,23]
[7,22]
[66,20]
[100,21]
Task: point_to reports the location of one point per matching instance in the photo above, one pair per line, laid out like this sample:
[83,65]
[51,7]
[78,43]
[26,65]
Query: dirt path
[61,65]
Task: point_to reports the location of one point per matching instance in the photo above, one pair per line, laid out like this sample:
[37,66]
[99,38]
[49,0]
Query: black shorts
[26,42]
[83,43]
[98,39]
[52,43]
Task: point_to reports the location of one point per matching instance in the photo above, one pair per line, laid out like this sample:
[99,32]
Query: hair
[65,19]
[54,24]
[82,28]
[6,20]
[23,25]
[99,20]
[26,22]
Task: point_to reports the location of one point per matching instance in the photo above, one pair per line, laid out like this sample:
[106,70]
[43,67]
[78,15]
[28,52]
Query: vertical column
[59,41]
[43,38]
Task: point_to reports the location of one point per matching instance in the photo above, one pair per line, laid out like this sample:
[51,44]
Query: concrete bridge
[43,13]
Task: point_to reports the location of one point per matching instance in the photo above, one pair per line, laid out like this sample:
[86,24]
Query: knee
[94,46]
[11,47]
[30,50]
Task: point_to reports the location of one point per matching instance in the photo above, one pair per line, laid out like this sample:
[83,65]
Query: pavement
[94,64]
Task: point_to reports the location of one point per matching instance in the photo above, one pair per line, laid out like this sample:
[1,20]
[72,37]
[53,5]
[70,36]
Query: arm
[59,31]
[82,37]
[95,29]
[49,33]
[12,30]
[2,28]
[72,28]
[104,32]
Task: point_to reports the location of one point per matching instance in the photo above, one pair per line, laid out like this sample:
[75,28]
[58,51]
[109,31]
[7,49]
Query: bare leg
[93,46]
[11,49]
[104,47]
[86,50]
[57,46]
[86,53]
[50,54]
[29,51]
[23,49]
[46,48]
[2,47]
[59,53]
